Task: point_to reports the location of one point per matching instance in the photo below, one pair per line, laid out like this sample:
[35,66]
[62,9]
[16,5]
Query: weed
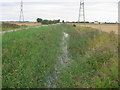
[30,55]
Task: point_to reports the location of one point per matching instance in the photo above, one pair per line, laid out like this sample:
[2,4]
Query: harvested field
[104,27]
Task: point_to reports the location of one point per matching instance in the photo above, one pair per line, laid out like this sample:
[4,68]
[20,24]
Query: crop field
[61,56]
[103,27]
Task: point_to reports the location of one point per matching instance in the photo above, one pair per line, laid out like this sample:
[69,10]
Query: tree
[39,20]
[58,20]
[45,22]
[63,21]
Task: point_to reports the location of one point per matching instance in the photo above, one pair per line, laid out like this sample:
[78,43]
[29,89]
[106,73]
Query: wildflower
[105,52]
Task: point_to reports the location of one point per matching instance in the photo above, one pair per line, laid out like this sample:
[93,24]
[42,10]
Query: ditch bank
[52,79]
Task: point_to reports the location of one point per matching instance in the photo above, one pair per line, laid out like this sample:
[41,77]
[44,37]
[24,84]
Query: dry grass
[103,27]
[25,23]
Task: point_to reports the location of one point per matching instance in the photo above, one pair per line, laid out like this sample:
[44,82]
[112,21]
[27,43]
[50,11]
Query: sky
[119,12]
[68,10]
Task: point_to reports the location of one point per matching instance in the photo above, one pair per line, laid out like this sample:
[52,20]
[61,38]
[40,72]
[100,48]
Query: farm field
[103,27]
[60,56]
[6,26]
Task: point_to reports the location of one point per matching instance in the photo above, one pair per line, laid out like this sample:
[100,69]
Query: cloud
[101,10]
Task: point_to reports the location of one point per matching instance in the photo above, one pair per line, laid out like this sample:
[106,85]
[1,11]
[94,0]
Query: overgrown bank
[30,55]
[94,61]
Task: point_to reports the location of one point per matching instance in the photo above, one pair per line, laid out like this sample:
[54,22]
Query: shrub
[39,20]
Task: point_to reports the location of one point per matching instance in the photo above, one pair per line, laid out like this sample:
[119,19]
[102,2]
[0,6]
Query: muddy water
[52,79]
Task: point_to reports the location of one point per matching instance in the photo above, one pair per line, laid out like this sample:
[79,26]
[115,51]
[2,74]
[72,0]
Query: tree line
[39,20]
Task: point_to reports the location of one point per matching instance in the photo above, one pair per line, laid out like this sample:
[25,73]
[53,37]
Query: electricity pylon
[21,18]
[81,11]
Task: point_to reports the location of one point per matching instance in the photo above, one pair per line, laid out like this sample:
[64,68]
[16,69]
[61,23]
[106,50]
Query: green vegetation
[0,61]
[94,62]
[30,55]
[8,26]
[39,20]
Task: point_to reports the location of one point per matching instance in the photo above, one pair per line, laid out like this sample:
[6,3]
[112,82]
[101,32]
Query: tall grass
[94,62]
[8,26]
[30,55]
[0,61]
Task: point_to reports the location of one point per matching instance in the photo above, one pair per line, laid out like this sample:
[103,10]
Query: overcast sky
[68,10]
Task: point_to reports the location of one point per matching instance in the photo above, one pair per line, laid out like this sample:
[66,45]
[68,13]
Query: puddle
[52,78]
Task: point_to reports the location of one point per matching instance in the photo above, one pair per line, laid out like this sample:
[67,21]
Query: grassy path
[60,56]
